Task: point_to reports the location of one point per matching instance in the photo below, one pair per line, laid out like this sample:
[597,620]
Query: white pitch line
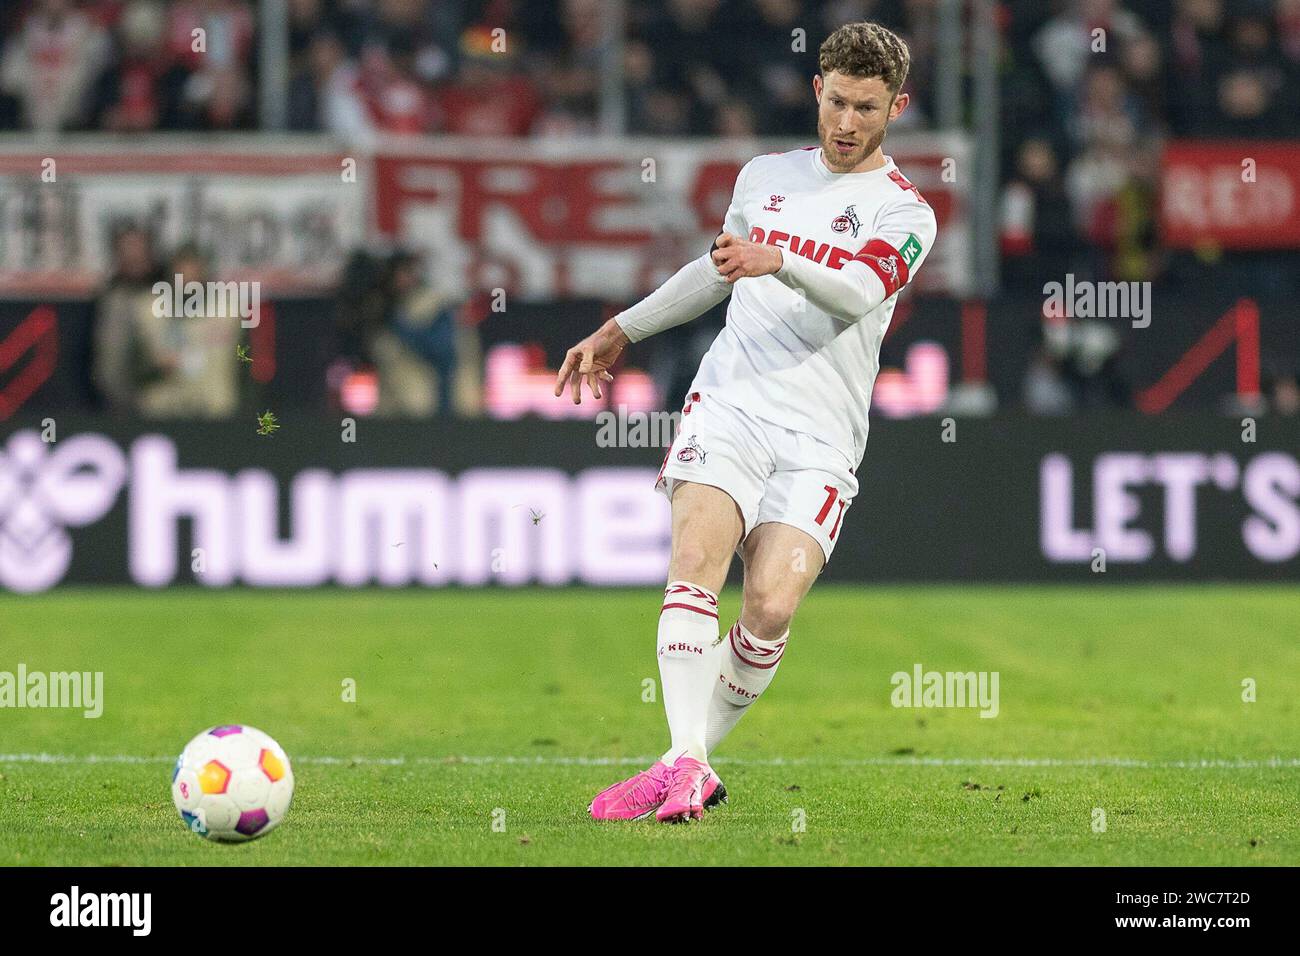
[1121,763]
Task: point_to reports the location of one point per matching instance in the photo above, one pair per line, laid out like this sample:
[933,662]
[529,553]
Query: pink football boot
[685,798]
[640,795]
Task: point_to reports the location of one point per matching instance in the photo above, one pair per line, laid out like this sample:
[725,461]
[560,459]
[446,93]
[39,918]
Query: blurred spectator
[307,19]
[784,87]
[1045,391]
[1284,393]
[1069,42]
[48,67]
[141,90]
[660,112]
[1107,114]
[690,62]
[211,34]
[1039,237]
[192,360]
[120,365]
[1106,133]
[359,307]
[326,95]
[1078,366]
[427,30]
[570,83]
[734,119]
[399,103]
[213,41]
[1288,31]
[1253,98]
[393,322]
[1197,47]
[423,321]
[922,34]
[1143,68]
[490,96]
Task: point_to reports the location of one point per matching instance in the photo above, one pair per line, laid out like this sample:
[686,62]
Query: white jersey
[780,357]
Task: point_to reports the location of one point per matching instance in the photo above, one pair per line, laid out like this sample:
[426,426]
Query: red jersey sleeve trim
[904,184]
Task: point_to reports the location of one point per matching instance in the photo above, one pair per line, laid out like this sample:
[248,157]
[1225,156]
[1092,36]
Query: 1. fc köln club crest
[691,451]
[847,220]
[888,265]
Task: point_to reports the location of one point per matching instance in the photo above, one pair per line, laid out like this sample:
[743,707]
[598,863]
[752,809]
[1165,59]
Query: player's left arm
[884,264]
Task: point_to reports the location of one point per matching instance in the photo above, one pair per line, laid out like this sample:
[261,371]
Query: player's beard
[844,163]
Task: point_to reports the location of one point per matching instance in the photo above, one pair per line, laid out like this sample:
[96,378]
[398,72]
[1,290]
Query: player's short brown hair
[866,49]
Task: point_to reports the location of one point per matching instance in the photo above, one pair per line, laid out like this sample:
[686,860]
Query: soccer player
[816,245]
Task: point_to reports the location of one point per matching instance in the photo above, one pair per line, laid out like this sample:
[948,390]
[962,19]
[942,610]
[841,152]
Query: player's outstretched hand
[738,258]
[590,359]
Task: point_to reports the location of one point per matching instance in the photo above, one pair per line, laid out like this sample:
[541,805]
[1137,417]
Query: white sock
[746,668]
[688,629]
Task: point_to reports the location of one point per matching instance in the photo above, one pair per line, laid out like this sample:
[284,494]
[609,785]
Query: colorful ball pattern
[232,783]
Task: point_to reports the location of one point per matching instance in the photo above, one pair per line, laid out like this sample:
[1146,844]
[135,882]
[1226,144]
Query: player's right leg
[706,527]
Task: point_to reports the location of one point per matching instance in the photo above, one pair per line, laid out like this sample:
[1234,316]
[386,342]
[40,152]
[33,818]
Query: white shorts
[771,472]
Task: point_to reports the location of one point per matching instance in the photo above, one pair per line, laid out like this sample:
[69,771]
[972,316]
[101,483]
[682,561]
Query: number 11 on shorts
[832,495]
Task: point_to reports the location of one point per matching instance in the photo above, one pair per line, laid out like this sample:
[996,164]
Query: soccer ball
[232,783]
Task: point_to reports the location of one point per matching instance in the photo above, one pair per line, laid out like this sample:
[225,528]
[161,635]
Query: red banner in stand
[612,220]
[1237,195]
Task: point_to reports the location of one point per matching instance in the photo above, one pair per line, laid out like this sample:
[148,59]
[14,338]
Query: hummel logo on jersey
[847,220]
[774,203]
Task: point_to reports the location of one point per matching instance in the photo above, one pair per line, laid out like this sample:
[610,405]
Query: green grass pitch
[517,706]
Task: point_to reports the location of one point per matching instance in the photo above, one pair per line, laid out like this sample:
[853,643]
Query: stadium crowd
[1090,89]
[1082,111]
